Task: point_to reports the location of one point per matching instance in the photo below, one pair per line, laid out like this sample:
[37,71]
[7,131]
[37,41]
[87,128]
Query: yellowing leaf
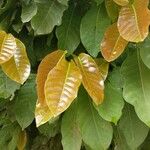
[113,44]
[134,20]
[103,67]
[121,2]
[18,67]
[91,77]
[7,46]
[22,140]
[61,86]
[42,112]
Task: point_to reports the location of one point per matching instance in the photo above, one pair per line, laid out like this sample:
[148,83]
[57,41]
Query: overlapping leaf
[61,86]
[7,46]
[22,140]
[91,77]
[113,44]
[121,2]
[136,85]
[43,113]
[134,20]
[18,67]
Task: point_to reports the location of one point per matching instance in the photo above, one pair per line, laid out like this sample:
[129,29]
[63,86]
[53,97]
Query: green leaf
[111,108]
[93,26]
[25,103]
[96,132]
[145,145]
[99,1]
[51,128]
[7,86]
[136,88]
[68,33]
[9,134]
[64,2]
[145,52]
[132,128]
[48,15]
[28,11]
[71,137]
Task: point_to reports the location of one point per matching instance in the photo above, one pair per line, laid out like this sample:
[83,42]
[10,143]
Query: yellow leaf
[134,20]
[121,2]
[103,67]
[18,67]
[61,86]
[42,112]
[113,44]
[22,140]
[91,77]
[7,46]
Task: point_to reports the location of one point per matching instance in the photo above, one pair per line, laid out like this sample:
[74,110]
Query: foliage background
[76,26]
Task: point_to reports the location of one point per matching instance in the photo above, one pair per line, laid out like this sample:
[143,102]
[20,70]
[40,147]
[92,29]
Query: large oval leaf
[136,85]
[96,132]
[121,2]
[61,86]
[92,28]
[134,20]
[18,67]
[113,44]
[42,112]
[7,46]
[91,77]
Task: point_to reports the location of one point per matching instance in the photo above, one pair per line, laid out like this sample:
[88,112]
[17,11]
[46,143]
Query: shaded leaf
[22,140]
[136,85]
[28,11]
[18,67]
[113,45]
[25,101]
[134,20]
[61,86]
[68,32]
[48,15]
[111,108]
[42,113]
[99,1]
[132,128]
[7,86]
[7,47]
[91,77]
[121,2]
[93,26]
[96,132]
[71,136]
[112,9]
[145,52]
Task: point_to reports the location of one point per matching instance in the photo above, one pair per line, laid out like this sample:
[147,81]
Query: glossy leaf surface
[61,86]
[121,2]
[113,44]
[134,20]
[7,46]
[91,77]
[18,67]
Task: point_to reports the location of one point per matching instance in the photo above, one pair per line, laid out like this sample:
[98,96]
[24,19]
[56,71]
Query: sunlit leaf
[18,67]
[121,2]
[136,85]
[103,67]
[7,46]
[22,140]
[113,44]
[61,86]
[42,113]
[134,20]
[91,77]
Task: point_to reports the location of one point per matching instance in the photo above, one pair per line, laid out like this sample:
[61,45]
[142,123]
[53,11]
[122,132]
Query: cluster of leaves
[103,44]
